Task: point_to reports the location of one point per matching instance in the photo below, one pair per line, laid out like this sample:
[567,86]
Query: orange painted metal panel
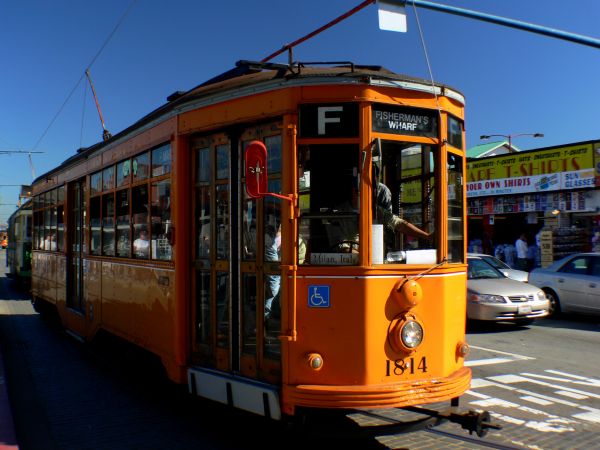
[352,336]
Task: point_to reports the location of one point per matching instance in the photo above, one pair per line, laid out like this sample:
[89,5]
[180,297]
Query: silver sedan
[515,274]
[572,284]
[493,296]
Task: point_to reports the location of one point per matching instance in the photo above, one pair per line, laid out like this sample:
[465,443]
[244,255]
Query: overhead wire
[96,56]
[422,37]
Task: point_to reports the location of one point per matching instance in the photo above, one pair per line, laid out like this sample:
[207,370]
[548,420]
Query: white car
[572,284]
[519,275]
[493,296]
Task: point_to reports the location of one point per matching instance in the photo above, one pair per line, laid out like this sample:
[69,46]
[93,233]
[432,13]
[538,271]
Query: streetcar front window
[328,189]
[403,203]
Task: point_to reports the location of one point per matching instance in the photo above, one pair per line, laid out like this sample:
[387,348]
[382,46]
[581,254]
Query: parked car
[519,275]
[572,284]
[493,296]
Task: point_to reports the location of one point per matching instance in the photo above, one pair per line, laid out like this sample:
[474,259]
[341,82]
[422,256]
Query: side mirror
[256,169]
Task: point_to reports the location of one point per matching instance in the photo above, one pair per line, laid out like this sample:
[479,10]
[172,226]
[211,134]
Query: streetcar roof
[250,77]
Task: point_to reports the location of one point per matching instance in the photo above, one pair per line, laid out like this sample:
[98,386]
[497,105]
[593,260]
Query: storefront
[556,189]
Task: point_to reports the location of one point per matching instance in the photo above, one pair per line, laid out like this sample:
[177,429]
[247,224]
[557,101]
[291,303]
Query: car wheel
[554,302]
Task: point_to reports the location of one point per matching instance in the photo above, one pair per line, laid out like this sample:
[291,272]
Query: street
[539,382]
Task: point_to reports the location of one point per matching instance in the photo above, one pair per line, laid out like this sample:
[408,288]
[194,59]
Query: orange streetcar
[284,238]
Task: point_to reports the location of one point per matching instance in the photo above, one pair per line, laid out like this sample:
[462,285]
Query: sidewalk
[8,440]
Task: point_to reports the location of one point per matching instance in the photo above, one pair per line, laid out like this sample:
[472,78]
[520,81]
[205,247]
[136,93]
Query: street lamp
[511,136]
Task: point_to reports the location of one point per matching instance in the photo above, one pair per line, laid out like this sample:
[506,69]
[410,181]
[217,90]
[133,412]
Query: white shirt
[521,249]
[141,247]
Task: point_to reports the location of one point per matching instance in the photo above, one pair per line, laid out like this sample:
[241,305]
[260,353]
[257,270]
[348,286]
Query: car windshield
[496,263]
[478,269]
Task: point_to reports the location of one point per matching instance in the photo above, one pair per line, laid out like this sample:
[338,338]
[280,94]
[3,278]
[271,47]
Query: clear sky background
[514,81]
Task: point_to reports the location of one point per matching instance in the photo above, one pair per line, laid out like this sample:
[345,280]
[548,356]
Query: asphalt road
[541,383]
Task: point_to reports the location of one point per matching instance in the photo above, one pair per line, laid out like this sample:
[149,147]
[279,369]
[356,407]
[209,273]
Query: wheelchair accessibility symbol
[318,296]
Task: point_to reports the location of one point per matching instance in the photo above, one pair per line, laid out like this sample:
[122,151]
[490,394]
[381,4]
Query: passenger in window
[141,246]
[50,242]
[272,253]
[389,219]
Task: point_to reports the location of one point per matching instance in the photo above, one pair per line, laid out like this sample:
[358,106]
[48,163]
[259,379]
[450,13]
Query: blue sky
[514,81]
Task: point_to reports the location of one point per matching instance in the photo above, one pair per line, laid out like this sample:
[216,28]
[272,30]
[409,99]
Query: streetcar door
[237,275]
[75,244]
[260,256]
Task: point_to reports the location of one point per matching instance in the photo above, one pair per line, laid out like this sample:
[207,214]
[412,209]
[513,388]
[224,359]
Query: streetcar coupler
[478,422]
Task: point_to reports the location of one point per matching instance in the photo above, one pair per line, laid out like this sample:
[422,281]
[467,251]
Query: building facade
[553,190]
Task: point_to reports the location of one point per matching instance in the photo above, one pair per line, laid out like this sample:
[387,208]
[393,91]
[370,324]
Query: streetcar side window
[108,224]
[456,238]
[328,189]
[161,220]
[455,132]
[140,167]
[95,224]
[139,213]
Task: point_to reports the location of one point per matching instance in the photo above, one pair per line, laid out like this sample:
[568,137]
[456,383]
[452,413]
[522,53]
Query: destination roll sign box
[402,120]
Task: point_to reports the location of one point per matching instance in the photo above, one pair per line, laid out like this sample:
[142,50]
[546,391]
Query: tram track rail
[394,426]
[482,442]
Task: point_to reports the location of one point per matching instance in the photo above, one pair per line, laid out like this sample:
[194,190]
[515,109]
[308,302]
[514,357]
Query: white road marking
[480,382]
[485,362]
[590,417]
[571,395]
[514,355]
[592,381]
[564,380]
[508,379]
[477,394]
[539,401]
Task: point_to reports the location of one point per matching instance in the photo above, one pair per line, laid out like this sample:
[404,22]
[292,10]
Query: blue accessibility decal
[318,296]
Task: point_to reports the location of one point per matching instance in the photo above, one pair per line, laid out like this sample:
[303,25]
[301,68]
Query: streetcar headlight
[411,334]
[406,334]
